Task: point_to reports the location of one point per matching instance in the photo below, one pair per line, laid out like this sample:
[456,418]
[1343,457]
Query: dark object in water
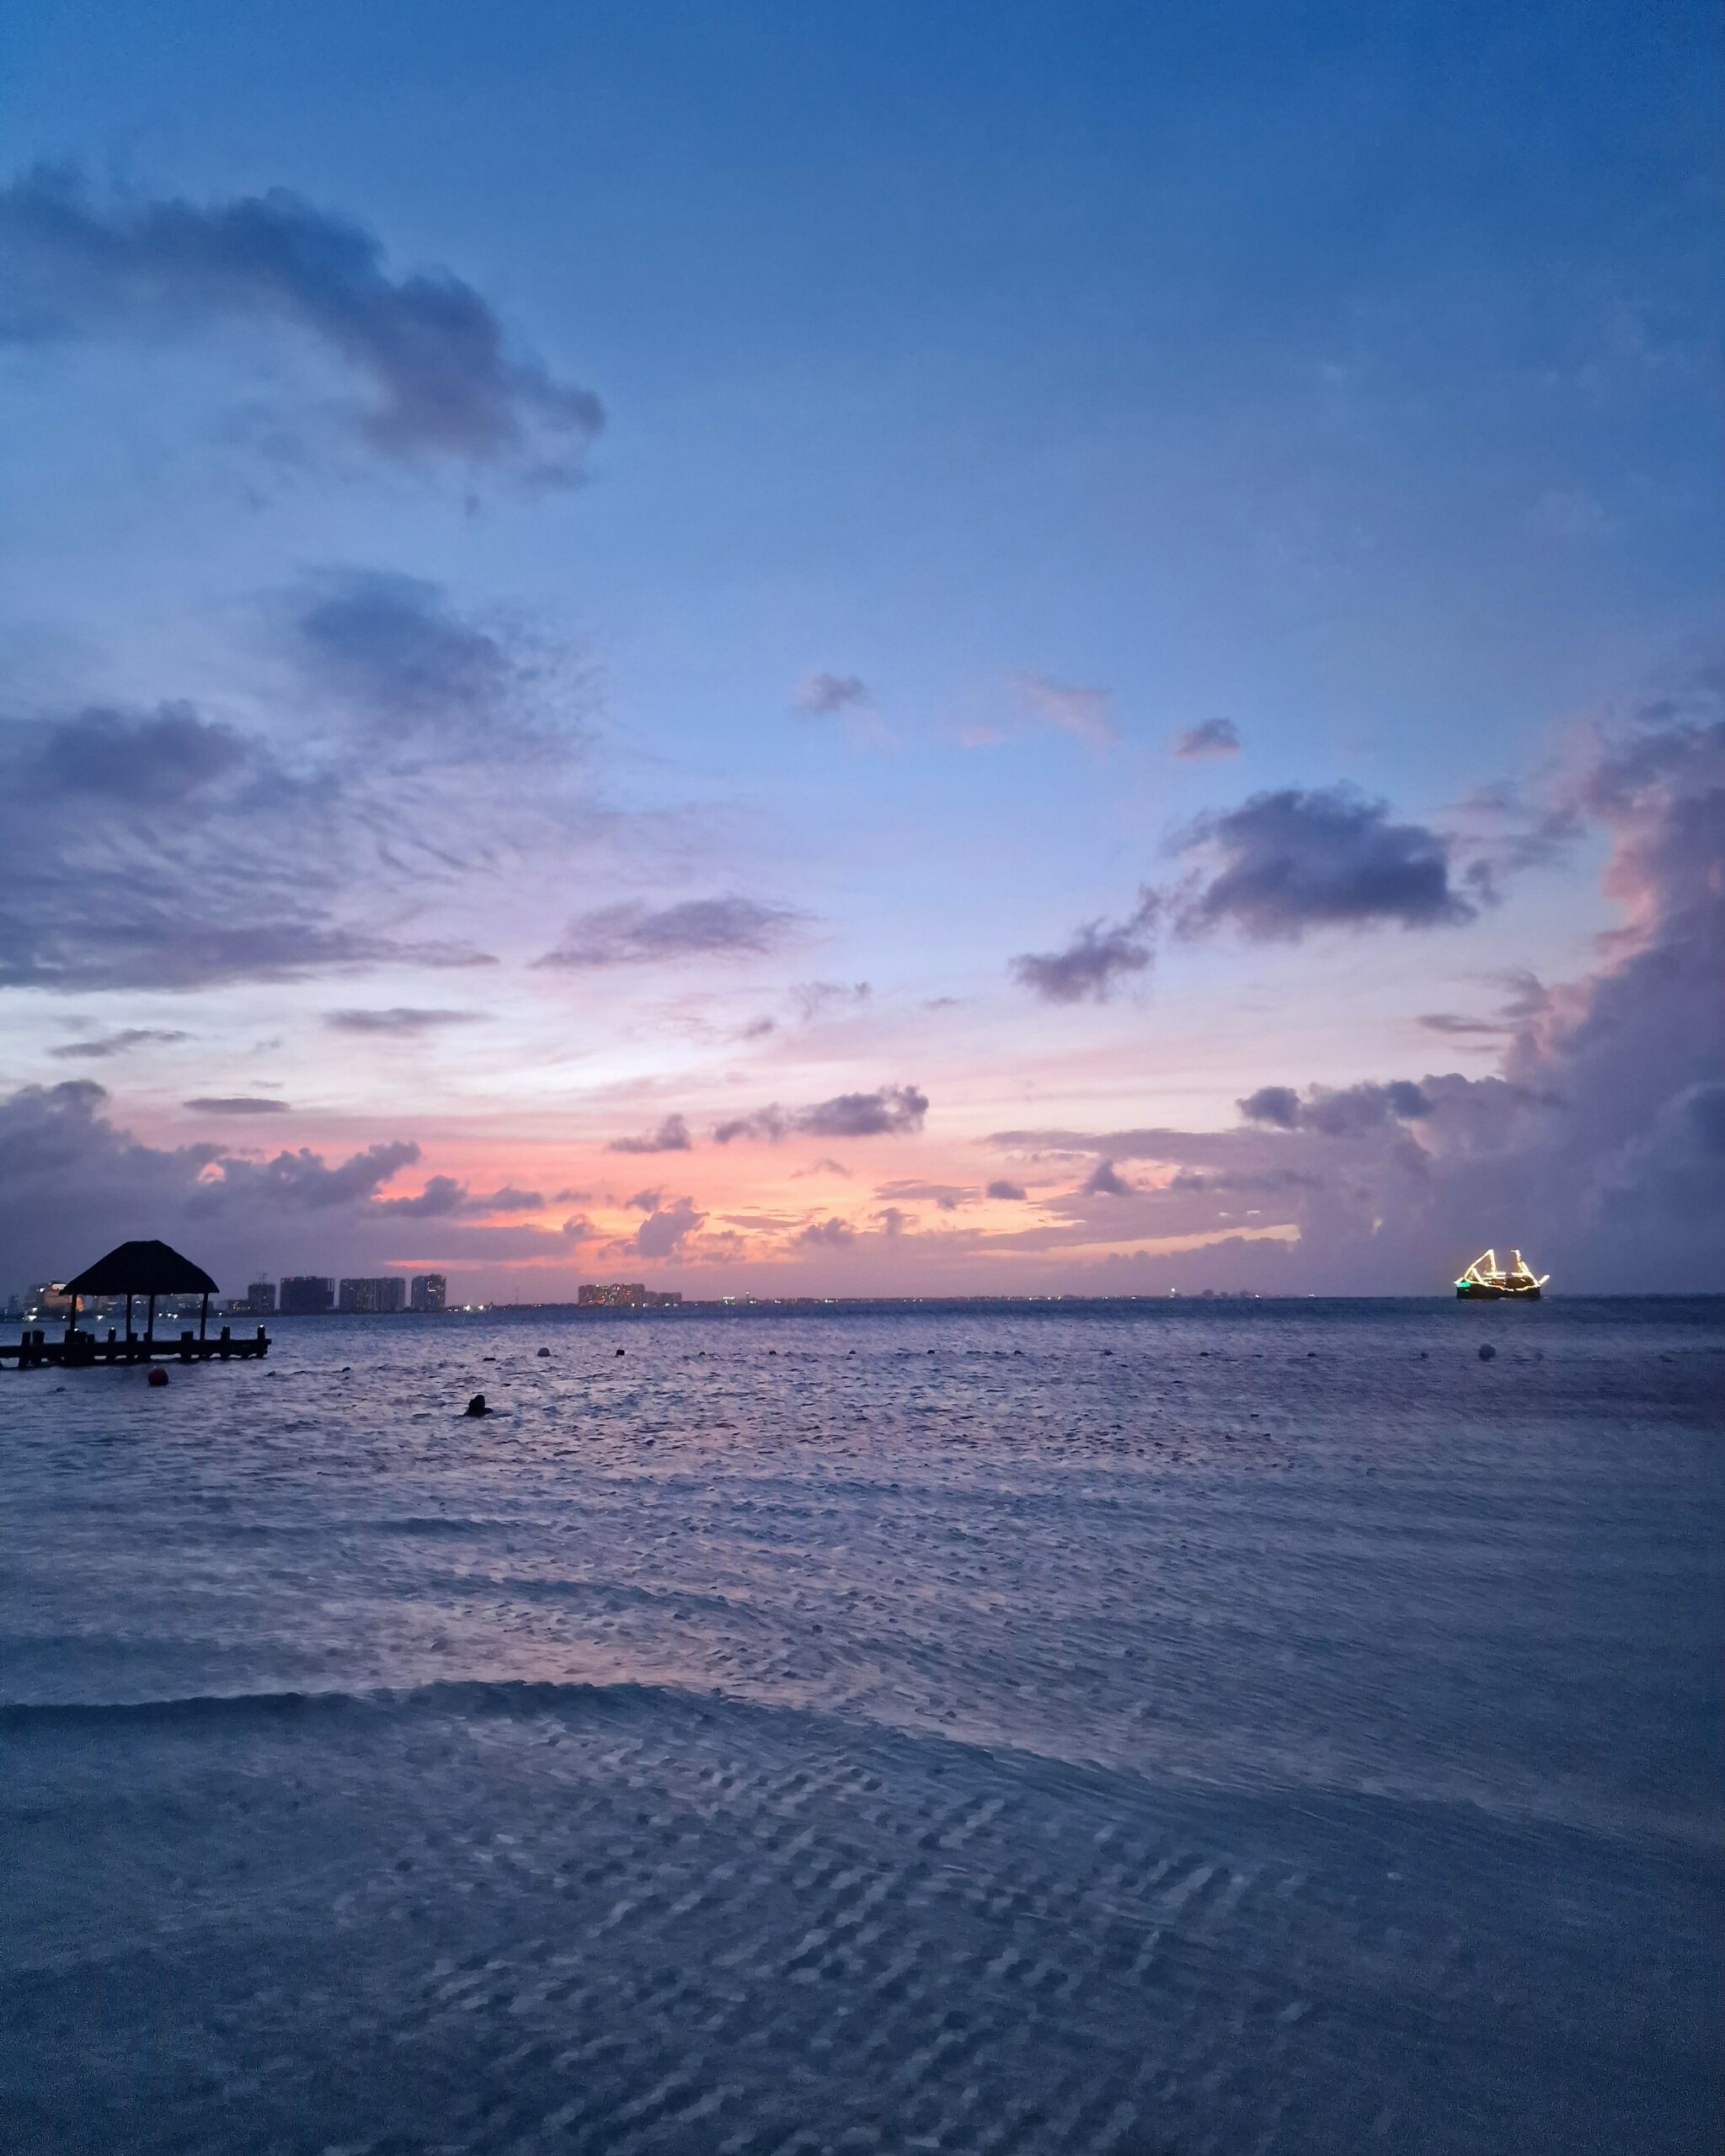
[544,1351]
[1487,1351]
[476,1406]
[620,1351]
[157,1377]
[1485,1281]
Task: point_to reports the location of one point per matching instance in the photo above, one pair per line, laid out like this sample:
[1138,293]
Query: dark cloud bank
[1599,1147]
[72,1183]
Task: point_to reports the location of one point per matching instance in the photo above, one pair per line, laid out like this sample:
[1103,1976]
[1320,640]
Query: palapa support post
[150,1326]
[204,1318]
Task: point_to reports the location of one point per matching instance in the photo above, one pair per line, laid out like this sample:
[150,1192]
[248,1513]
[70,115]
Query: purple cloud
[827,696]
[672,1136]
[1288,862]
[888,1112]
[1099,957]
[429,348]
[1337,1114]
[1215,737]
[831,1234]
[667,1228]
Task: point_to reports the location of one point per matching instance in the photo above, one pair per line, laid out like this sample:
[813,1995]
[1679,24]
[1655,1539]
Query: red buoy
[157,1377]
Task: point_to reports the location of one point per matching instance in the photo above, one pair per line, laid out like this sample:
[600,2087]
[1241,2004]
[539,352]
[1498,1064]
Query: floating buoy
[157,1377]
[1486,1351]
[620,1351]
[544,1351]
[476,1406]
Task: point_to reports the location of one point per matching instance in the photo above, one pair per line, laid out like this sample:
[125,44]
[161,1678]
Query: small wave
[464,1696]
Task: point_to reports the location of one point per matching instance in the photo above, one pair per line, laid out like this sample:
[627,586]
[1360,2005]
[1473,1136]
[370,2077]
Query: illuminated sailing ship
[1485,1281]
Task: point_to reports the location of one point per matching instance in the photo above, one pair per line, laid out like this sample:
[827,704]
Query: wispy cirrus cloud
[815,999]
[633,935]
[118,1043]
[237,1104]
[441,377]
[399,1021]
[1087,714]
[154,848]
[407,666]
[948,1197]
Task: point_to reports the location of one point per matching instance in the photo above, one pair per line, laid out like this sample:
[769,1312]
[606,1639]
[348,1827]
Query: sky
[862,651]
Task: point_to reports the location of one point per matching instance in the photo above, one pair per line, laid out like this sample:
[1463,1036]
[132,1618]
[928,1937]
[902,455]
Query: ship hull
[1474,1291]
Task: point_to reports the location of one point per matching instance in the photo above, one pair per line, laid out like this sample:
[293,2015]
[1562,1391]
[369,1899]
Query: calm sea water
[1252,1726]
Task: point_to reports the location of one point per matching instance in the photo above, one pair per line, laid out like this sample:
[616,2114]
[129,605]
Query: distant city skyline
[843,652]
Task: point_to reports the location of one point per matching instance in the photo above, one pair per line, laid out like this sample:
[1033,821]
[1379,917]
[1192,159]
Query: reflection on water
[1254,1727]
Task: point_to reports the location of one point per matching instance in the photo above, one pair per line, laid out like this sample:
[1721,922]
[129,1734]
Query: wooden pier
[83,1350]
[141,1272]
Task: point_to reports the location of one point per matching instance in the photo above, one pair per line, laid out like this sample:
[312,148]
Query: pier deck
[85,1350]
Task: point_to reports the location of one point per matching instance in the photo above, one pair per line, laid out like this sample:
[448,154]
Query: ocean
[1156,1728]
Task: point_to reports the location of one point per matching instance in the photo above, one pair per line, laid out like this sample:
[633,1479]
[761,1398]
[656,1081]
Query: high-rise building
[429,1293]
[371,1297]
[611,1295]
[626,1295]
[47,1300]
[306,1294]
[260,1299]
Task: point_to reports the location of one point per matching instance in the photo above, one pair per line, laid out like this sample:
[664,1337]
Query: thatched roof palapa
[142,1268]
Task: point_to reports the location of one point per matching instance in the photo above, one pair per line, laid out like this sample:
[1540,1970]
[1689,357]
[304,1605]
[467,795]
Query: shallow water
[1227,1727]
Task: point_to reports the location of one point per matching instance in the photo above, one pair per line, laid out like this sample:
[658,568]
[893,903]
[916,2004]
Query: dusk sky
[862,649]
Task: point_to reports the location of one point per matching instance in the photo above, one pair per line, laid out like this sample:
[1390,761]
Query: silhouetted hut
[142,1268]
